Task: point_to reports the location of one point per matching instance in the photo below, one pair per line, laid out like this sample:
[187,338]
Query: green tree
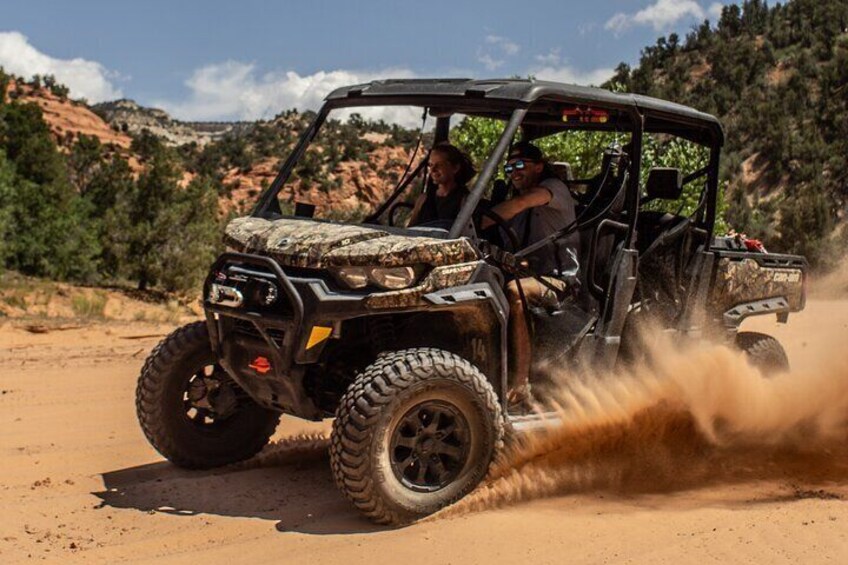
[776,78]
[477,137]
[7,228]
[29,144]
[110,181]
[55,235]
[161,233]
[4,84]
[84,160]
[135,225]
[110,178]
[184,258]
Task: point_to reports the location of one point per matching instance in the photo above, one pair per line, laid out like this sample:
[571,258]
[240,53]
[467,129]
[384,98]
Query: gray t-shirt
[559,257]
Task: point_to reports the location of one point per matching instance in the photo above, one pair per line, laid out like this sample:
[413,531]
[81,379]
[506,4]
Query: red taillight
[585,115]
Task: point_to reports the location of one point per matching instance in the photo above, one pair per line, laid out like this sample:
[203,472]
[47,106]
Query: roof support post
[442,129]
[633,191]
[487,172]
[712,189]
[285,171]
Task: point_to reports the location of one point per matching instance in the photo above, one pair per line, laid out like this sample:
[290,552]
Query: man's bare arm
[508,209]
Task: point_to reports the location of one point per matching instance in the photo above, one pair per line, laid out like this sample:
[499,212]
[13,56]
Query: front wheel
[191,411]
[415,432]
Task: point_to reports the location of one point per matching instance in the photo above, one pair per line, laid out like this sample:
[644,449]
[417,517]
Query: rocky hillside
[86,200]
[128,117]
[141,197]
[67,119]
[243,156]
[777,77]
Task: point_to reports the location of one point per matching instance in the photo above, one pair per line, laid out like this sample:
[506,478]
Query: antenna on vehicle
[403,181]
[415,151]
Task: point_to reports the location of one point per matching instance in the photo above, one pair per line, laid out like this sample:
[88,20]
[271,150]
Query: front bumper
[267,348]
[255,346]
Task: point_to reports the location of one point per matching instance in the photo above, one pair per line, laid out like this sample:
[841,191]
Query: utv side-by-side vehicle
[400,333]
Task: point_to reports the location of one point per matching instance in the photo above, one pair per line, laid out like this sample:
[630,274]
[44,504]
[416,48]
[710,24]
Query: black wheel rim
[208,398]
[429,446]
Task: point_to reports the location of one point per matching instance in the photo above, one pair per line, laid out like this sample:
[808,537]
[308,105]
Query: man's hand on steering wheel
[501,223]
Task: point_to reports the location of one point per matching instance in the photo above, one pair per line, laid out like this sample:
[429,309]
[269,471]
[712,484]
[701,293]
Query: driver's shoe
[519,399]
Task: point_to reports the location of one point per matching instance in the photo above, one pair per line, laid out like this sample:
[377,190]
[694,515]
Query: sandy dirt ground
[80,483]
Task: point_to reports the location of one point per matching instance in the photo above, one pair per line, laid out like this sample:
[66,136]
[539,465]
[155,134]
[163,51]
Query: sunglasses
[518,165]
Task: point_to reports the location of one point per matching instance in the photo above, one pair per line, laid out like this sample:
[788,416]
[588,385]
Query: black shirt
[441,207]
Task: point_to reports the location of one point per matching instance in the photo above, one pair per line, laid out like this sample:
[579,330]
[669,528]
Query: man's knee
[512,293]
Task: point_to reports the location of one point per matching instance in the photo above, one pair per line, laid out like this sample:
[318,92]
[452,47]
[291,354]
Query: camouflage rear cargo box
[745,278]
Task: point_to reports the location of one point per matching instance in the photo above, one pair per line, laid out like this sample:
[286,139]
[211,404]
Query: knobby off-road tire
[375,428]
[161,407]
[764,352]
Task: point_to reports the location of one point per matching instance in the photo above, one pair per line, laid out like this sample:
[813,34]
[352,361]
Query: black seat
[651,225]
[655,229]
[605,201]
[663,245]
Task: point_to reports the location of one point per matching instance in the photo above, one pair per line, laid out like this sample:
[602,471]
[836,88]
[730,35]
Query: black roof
[497,97]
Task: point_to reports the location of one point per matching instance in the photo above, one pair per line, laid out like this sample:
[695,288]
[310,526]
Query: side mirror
[665,183]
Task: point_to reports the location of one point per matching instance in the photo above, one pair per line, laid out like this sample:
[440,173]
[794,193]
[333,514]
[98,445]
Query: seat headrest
[665,183]
[562,170]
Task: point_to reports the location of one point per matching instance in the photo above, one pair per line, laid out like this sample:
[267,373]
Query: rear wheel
[764,352]
[191,411]
[414,433]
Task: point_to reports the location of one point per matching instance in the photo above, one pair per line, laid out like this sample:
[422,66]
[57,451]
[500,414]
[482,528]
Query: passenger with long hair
[450,171]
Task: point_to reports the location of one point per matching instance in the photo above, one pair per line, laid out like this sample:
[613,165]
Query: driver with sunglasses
[541,206]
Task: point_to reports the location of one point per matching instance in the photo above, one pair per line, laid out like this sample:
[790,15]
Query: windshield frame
[514,113]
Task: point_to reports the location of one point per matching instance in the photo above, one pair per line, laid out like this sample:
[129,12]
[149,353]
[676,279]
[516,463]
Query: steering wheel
[394,208]
[501,223]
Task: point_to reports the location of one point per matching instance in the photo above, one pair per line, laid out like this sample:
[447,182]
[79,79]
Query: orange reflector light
[261,365]
[317,335]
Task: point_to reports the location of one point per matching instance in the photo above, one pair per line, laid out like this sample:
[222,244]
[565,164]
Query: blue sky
[250,59]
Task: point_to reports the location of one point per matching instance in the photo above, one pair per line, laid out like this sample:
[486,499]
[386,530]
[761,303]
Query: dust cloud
[294,449]
[684,416]
[693,416]
[833,284]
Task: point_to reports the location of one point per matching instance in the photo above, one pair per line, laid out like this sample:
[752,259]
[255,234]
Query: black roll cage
[537,119]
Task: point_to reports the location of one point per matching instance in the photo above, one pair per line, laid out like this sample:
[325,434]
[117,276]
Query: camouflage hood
[310,244]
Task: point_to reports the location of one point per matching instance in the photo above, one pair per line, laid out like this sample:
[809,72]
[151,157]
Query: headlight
[353,277]
[393,278]
[388,278]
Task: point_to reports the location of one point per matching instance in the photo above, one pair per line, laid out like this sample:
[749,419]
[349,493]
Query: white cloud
[618,22]
[496,48]
[488,61]
[570,75]
[552,66]
[551,58]
[715,9]
[508,46]
[586,28]
[86,79]
[660,15]
[236,90]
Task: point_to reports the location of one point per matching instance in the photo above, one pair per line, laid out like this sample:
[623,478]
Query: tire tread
[361,408]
